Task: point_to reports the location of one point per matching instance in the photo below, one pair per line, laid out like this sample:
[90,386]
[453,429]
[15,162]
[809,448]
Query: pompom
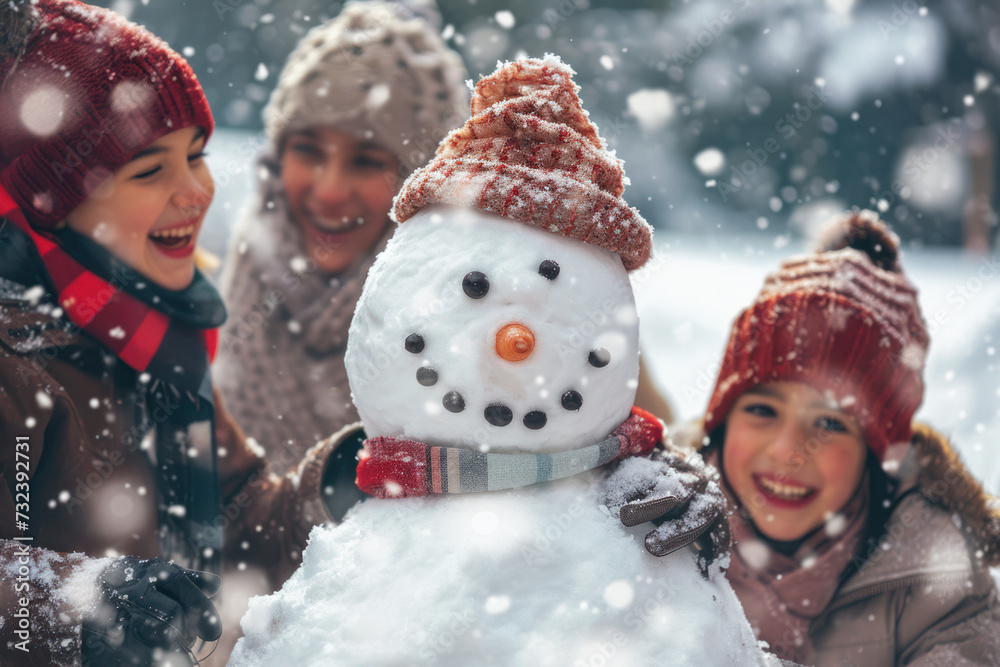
[862,230]
[17,19]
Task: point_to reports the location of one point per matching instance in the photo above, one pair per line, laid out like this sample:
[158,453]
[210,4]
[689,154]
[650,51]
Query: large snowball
[416,287]
[537,576]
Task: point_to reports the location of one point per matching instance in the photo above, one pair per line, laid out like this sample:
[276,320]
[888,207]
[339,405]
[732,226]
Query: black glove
[340,493]
[676,490]
[150,611]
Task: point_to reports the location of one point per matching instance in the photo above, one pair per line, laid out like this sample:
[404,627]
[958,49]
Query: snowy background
[729,113]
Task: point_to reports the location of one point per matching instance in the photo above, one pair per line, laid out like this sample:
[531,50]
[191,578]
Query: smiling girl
[859,537]
[125,483]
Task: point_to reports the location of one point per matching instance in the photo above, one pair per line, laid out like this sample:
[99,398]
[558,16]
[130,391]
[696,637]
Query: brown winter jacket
[924,595]
[66,417]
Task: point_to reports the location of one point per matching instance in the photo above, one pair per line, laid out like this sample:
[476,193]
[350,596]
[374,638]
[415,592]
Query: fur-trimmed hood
[937,471]
[932,467]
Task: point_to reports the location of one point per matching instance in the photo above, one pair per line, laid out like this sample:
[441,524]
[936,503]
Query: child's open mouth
[784,494]
[177,241]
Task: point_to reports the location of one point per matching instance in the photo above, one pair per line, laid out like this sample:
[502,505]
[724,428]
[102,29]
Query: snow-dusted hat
[530,153]
[379,71]
[82,90]
[845,321]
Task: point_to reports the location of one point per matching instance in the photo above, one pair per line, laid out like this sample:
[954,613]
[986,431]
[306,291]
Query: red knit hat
[531,154]
[844,321]
[90,91]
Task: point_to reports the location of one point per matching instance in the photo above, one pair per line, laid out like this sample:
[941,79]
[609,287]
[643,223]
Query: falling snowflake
[838,316]
[913,357]
[42,110]
[43,399]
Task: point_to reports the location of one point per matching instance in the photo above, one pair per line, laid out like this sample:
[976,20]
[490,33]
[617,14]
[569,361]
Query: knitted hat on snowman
[844,320]
[531,154]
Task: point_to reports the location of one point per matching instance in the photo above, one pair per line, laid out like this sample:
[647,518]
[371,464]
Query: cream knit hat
[379,71]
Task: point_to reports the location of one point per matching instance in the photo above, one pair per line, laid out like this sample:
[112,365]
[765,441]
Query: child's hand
[678,492]
[150,608]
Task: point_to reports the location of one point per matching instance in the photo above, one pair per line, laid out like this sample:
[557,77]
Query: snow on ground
[535,576]
[692,290]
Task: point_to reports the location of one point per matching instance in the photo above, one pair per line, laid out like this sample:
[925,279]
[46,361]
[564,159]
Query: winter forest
[683,349]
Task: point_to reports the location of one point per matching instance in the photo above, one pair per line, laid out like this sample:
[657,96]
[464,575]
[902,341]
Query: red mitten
[393,468]
[638,434]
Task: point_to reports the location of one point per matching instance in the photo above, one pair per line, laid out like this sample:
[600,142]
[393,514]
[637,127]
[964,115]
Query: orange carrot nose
[515,342]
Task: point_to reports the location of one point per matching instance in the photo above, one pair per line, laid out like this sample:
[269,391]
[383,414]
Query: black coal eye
[534,420]
[498,414]
[548,269]
[414,343]
[572,400]
[475,284]
[453,402]
[427,376]
[599,357]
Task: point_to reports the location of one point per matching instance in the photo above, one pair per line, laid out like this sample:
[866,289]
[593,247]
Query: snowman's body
[539,576]
[477,332]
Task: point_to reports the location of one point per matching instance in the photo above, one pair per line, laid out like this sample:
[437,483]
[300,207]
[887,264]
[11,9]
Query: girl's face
[792,458]
[149,213]
[339,190]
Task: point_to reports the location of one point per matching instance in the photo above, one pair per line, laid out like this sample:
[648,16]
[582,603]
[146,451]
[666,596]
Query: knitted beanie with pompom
[844,321]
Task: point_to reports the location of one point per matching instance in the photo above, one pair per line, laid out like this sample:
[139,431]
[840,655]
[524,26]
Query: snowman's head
[479,333]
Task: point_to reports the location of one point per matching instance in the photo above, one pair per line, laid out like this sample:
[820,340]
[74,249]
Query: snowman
[493,359]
